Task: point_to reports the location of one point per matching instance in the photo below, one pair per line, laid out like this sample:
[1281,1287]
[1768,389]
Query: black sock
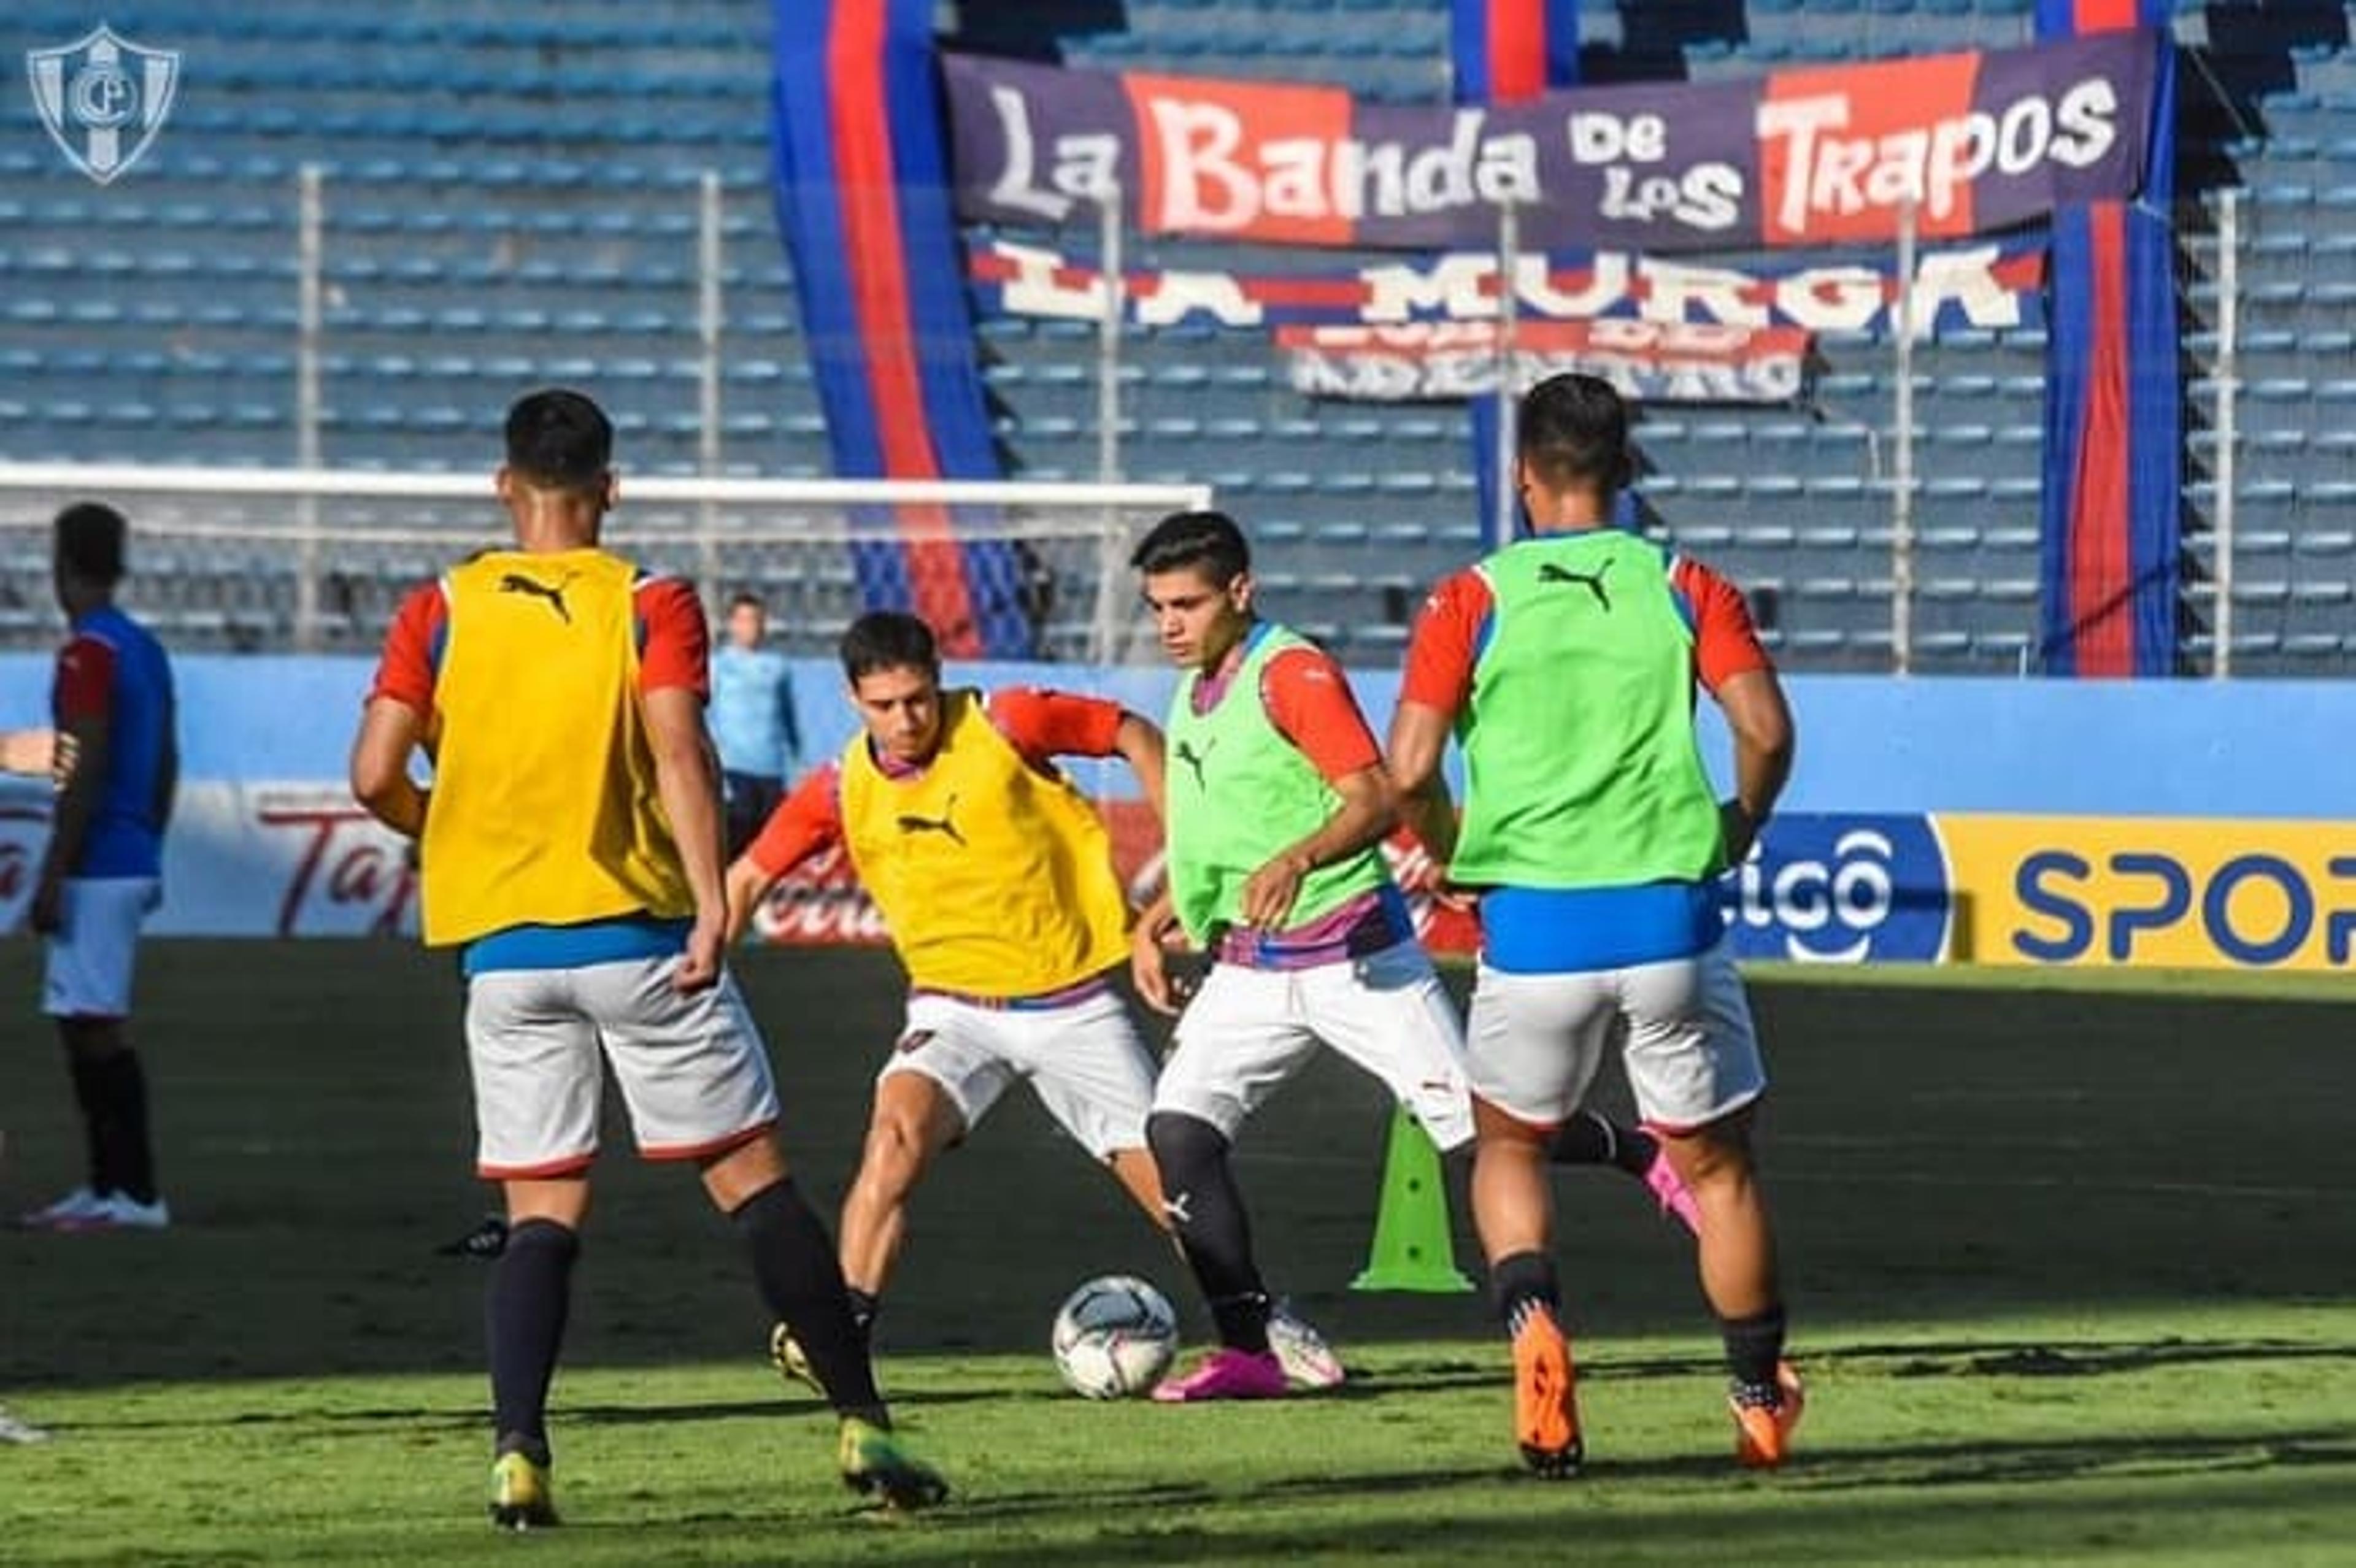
[130,1158]
[801,1281]
[90,1094]
[1524,1285]
[1590,1137]
[864,1306]
[530,1292]
[1206,1214]
[1753,1346]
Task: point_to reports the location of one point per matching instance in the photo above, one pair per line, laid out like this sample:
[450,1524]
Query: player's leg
[1591,1137]
[946,1070]
[1388,1014]
[1093,1073]
[533,1059]
[944,1074]
[1693,1060]
[87,990]
[695,1076]
[1237,1041]
[1534,1042]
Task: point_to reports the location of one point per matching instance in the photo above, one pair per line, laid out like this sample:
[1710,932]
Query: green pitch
[2069,1270]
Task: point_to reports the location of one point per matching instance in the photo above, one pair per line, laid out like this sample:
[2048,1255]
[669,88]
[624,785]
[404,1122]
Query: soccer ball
[1115,1335]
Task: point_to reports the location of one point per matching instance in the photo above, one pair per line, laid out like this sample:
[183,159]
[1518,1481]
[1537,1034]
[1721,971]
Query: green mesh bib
[1581,765]
[1238,792]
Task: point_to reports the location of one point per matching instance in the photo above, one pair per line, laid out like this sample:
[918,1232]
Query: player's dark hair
[743,597]
[889,639]
[560,439]
[90,540]
[1573,432]
[1208,541]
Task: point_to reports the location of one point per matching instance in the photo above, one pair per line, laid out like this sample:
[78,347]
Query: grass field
[2071,1271]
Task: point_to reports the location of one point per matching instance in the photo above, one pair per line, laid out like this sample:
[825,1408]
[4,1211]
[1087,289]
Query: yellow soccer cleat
[522,1496]
[874,1463]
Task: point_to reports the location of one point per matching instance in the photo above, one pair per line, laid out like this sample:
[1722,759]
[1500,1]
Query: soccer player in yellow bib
[995,877]
[569,849]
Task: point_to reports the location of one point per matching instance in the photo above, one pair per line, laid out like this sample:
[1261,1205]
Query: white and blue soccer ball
[1115,1337]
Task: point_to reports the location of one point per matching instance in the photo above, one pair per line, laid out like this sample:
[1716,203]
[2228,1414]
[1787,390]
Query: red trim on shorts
[1513,1116]
[570,1165]
[1686,1130]
[735,1140]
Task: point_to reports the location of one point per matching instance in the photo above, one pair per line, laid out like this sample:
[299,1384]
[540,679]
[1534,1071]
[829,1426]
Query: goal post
[311,558]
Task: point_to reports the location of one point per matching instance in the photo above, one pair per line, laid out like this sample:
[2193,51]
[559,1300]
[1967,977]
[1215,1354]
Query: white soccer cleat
[73,1207]
[121,1211]
[1308,1361]
[15,1431]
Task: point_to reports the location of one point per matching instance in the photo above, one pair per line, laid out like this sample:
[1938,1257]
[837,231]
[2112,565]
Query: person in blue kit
[752,721]
[102,873]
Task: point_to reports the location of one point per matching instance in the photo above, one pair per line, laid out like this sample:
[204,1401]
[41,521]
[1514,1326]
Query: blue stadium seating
[511,198]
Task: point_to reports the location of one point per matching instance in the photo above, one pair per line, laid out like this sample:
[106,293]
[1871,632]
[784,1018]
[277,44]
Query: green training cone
[1413,1249]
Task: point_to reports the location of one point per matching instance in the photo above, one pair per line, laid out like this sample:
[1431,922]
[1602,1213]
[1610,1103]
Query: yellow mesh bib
[995,879]
[544,808]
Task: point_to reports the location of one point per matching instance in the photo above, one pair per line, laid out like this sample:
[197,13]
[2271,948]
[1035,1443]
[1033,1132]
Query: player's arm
[790,722]
[70,818]
[1735,669]
[1419,740]
[28,750]
[1139,742]
[390,731]
[397,717]
[1043,725]
[1434,688]
[805,822]
[674,679]
[1309,702]
[1149,959]
[167,766]
[686,781]
[85,711]
[1760,721]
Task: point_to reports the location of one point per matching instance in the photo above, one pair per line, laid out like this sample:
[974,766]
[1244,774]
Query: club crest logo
[103,98]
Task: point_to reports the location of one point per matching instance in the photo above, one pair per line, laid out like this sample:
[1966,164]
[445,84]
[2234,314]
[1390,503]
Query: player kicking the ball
[1278,807]
[995,878]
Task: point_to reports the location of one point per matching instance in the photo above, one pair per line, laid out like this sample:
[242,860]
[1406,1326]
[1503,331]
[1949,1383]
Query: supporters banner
[2113,496]
[1977,142]
[1990,286]
[859,172]
[1649,362]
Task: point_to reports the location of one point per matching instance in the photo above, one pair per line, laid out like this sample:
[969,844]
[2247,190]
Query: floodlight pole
[310,255]
[1901,504]
[709,324]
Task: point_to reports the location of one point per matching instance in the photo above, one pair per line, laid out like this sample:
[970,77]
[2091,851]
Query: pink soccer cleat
[1226,1373]
[1670,1188]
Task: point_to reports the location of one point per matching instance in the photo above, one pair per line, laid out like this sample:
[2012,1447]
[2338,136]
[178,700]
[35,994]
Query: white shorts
[1084,1060]
[91,955]
[691,1068]
[1247,1030]
[1684,1026]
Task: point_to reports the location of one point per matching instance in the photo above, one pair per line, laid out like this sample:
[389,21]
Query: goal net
[319,559]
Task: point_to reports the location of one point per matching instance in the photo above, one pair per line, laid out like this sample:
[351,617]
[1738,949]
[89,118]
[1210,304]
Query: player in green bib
[1277,805]
[1565,665]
